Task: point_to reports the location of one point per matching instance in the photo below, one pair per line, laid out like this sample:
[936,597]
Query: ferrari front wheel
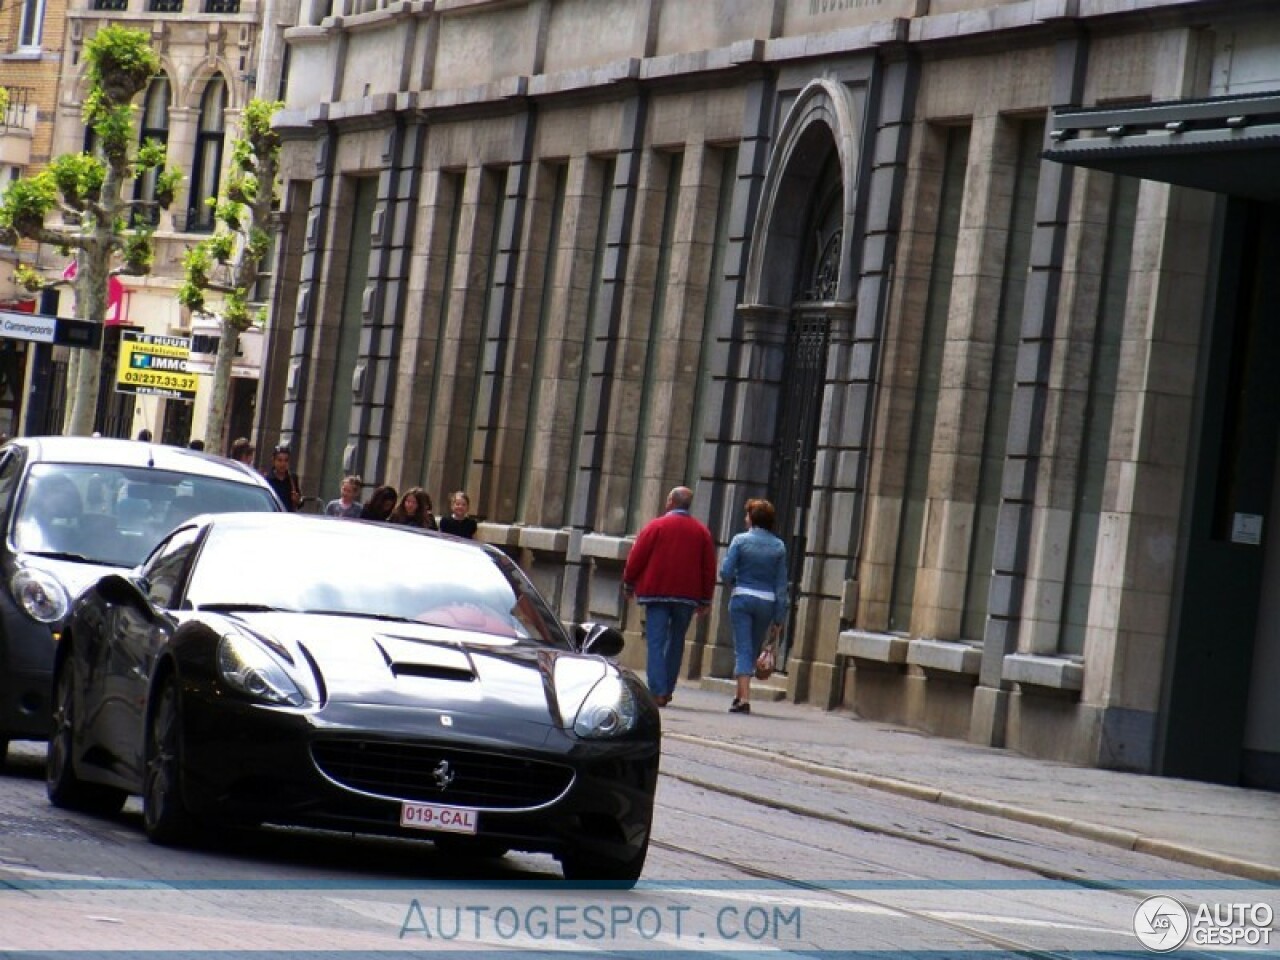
[63,785]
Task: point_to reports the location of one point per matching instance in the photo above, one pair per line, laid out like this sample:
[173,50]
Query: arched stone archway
[799,296]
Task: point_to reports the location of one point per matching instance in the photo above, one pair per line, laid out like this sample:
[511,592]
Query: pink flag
[69,273]
[115,301]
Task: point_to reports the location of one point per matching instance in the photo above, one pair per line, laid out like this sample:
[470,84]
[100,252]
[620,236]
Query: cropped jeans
[750,618]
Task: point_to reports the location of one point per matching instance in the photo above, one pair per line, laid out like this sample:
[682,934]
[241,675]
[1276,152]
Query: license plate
[430,816]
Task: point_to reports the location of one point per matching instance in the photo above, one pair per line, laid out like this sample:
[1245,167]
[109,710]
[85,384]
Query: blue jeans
[750,618]
[665,625]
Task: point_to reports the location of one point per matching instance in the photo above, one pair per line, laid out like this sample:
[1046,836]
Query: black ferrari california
[285,669]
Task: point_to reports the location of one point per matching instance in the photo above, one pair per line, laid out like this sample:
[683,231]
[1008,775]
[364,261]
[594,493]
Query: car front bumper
[26,673]
[257,764]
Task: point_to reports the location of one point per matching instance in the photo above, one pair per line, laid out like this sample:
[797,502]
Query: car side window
[167,568]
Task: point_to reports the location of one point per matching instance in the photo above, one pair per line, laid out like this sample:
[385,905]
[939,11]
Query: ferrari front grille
[431,773]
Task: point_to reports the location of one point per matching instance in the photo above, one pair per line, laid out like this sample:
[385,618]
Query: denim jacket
[757,560]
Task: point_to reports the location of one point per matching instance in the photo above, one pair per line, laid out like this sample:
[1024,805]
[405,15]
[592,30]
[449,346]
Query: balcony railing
[18,110]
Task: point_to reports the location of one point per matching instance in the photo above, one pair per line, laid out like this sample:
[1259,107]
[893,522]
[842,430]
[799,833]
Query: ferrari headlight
[608,711]
[248,667]
[40,594]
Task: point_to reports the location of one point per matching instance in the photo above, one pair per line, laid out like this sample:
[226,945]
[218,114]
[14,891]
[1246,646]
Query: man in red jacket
[671,570]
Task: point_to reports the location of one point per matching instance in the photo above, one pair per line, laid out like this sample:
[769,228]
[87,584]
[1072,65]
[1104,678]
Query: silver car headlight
[608,711]
[40,594]
[247,667]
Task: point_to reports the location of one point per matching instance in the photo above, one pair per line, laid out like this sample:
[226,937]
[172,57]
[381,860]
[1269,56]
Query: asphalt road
[746,855]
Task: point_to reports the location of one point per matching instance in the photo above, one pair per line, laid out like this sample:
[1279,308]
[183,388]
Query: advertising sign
[155,365]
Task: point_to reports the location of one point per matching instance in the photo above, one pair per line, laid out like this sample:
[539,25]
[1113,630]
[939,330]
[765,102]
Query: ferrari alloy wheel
[164,813]
[65,789]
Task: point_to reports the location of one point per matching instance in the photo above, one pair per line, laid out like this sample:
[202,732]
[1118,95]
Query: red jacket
[673,558]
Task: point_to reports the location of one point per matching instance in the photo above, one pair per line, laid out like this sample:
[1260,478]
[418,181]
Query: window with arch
[207,165]
[155,126]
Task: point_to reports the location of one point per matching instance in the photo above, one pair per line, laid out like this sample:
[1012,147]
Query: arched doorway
[799,278]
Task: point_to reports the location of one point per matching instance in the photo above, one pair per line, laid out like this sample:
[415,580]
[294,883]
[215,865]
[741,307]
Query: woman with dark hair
[381,502]
[756,567]
[414,510]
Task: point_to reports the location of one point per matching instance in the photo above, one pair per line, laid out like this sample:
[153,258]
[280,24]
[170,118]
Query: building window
[155,126]
[32,27]
[206,169]
[221,6]
[117,5]
[165,6]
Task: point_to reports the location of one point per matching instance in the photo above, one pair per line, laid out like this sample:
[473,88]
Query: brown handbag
[766,663]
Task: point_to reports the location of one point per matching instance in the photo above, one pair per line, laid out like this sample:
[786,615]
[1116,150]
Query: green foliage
[196,266]
[139,252]
[229,212]
[167,186]
[29,279]
[26,202]
[121,62]
[259,244]
[221,246]
[151,154]
[79,178]
[241,188]
[4,102]
[235,310]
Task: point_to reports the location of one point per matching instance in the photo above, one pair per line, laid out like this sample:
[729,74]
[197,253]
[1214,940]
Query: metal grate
[415,771]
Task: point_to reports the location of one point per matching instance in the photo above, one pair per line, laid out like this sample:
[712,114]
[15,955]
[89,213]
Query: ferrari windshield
[102,513]
[342,568]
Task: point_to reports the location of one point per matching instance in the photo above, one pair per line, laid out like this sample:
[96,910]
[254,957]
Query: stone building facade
[887,262]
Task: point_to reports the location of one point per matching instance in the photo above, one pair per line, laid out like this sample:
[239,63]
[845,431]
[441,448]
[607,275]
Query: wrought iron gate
[796,448]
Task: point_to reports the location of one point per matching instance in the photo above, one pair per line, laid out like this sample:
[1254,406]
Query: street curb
[1112,836]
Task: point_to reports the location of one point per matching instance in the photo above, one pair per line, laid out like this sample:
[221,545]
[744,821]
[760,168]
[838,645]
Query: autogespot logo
[1161,923]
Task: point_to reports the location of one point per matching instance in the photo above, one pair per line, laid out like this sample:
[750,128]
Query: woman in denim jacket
[756,567]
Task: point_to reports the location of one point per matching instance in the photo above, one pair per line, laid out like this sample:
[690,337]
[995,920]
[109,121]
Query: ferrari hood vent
[419,658]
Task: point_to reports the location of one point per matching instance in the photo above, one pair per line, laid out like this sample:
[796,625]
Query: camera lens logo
[1161,923]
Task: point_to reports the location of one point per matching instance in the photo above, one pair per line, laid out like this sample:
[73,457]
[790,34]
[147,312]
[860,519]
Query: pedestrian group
[670,570]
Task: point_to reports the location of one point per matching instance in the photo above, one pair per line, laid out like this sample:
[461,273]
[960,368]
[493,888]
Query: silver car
[73,509]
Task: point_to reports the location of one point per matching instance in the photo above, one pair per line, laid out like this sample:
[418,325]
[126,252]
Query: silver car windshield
[115,515]
[367,570]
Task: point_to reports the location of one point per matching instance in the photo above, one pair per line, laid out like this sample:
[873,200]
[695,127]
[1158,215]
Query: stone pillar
[386,293]
[1031,392]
